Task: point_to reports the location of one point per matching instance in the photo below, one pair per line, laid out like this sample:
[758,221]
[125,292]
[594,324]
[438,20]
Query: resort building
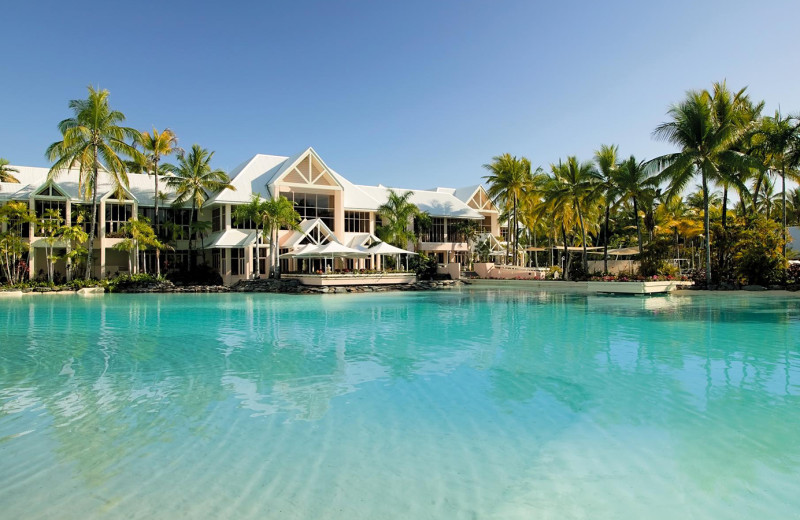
[332,210]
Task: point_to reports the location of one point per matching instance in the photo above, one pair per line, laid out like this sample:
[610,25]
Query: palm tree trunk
[605,241]
[783,201]
[756,191]
[191,249]
[583,240]
[721,250]
[257,270]
[94,218]
[638,226]
[535,253]
[725,206]
[514,228]
[707,226]
[566,251]
[677,248]
[155,215]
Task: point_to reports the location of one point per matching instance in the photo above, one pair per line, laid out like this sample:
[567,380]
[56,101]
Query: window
[164,216]
[175,222]
[437,230]
[312,205]
[217,219]
[218,259]
[356,222]
[237,261]
[486,225]
[81,215]
[50,191]
[242,223]
[43,205]
[263,251]
[453,232]
[116,217]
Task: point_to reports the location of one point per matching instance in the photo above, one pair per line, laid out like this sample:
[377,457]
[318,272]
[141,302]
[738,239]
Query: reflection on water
[427,395]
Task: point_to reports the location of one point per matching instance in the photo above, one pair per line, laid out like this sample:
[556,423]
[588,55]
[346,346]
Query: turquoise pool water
[479,403]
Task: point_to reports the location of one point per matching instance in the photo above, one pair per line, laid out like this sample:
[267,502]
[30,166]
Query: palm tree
[634,182]
[556,207]
[139,235]
[509,179]
[705,147]
[156,146]
[606,158]
[579,181]
[256,211]
[777,136]
[92,140]
[396,215]
[278,214]
[193,179]
[5,171]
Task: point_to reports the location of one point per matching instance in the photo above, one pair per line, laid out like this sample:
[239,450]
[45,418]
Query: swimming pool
[475,403]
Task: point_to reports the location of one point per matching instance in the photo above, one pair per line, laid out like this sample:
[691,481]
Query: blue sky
[408,94]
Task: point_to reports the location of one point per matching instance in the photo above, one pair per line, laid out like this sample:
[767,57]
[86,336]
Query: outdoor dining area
[333,263]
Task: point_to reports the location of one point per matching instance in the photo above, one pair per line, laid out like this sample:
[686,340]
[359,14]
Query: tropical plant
[278,214]
[606,158]
[758,253]
[578,182]
[706,146]
[397,215]
[192,179]
[6,172]
[14,215]
[633,182]
[92,140]
[138,235]
[157,145]
[254,211]
[509,181]
[50,227]
[74,237]
[777,136]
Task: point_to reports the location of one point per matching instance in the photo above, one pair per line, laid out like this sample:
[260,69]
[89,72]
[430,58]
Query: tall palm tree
[705,147]
[6,170]
[633,181]
[509,180]
[256,211]
[606,158]
[579,181]
[778,136]
[556,206]
[278,214]
[156,146]
[193,179]
[396,216]
[92,140]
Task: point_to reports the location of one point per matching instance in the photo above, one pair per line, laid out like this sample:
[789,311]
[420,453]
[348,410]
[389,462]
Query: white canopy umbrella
[330,250]
[382,248]
[308,248]
[386,249]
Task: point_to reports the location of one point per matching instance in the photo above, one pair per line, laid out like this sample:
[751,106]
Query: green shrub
[653,260]
[759,259]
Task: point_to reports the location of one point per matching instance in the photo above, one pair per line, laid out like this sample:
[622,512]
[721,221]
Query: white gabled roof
[356,198]
[32,179]
[251,177]
[306,226]
[231,238]
[257,175]
[436,204]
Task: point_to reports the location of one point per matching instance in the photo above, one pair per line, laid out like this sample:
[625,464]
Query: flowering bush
[636,278]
